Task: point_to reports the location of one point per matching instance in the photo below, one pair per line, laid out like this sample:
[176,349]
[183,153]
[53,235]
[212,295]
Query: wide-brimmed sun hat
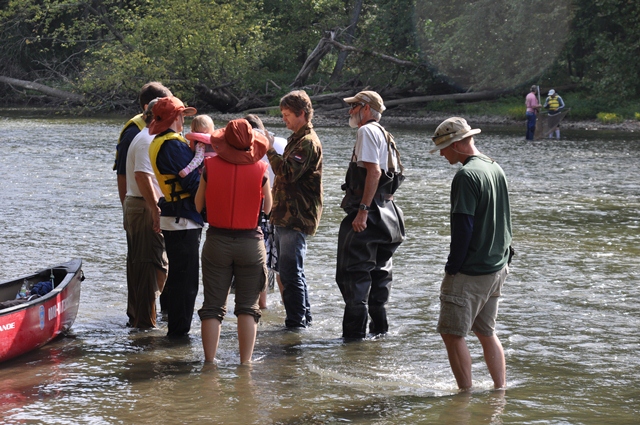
[237,143]
[368,97]
[165,112]
[450,131]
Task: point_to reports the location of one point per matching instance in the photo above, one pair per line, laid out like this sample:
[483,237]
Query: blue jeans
[292,248]
[531,125]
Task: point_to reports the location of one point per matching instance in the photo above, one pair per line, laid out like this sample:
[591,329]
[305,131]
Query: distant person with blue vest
[234,188]
[180,222]
[554,104]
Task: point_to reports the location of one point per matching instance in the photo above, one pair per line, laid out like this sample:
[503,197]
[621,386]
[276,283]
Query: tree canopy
[103,51]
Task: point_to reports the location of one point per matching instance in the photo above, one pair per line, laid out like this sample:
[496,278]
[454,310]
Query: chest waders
[388,183]
[364,262]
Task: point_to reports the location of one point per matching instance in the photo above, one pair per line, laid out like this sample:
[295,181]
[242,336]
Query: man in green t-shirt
[480,246]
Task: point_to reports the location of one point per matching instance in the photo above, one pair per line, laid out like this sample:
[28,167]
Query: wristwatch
[364,207]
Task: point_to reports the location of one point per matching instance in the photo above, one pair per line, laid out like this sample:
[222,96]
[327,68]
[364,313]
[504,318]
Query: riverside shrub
[609,118]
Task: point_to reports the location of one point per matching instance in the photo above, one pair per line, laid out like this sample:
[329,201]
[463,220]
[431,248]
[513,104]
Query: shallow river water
[569,319]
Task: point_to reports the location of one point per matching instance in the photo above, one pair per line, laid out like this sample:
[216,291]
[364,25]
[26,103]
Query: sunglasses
[355,105]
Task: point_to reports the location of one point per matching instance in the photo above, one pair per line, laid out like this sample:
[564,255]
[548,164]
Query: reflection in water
[467,408]
[568,320]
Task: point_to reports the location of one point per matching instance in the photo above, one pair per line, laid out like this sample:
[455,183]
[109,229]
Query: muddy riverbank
[338,118]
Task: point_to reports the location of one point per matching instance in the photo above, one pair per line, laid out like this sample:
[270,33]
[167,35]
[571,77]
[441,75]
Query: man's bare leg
[494,357]
[459,359]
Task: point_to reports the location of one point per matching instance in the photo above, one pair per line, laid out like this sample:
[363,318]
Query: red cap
[165,112]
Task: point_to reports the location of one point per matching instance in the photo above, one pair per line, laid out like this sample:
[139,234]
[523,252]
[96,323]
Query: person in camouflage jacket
[297,203]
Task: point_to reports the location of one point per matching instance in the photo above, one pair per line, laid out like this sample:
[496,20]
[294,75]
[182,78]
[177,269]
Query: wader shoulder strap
[391,146]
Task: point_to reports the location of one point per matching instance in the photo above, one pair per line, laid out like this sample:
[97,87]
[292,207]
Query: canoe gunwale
[71,268]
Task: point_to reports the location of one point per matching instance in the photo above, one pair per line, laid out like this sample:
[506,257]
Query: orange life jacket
[234,193]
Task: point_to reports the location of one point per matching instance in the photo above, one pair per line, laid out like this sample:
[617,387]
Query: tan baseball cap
[368,97]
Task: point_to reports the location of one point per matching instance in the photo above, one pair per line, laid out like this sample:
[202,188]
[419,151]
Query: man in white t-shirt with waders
[374,226]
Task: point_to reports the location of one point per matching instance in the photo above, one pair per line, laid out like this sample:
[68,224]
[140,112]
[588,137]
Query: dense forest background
[231,55]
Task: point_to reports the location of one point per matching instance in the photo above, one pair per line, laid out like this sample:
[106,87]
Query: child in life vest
[200,137]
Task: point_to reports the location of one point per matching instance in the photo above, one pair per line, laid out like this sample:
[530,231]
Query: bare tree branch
[312,62]
[351,30]
[344,47]
[30,85]
[102,16]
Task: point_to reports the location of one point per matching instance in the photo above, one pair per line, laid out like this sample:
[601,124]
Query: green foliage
[491,44]
[182,43]
[603,52]
[107,49]
[296,27]
[583,107]
[274,113]
[586,106]
[387,27]
[32,42]
[609,118]
[510,106]
[516,112]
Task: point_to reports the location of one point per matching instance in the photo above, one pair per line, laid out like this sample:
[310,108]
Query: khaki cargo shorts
[470,303]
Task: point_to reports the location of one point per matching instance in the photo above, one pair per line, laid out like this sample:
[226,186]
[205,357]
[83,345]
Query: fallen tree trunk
[344,47]
[481,95]
[317,98]
[219,97]
[475,96]
[312,62]
[330,96]
[324,47]
[49,91]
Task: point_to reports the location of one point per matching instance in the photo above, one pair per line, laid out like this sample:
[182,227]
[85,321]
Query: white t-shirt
[169,223]
[371,146]
[138,160]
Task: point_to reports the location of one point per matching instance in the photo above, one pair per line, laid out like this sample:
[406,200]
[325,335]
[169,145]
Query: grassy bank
[583,108]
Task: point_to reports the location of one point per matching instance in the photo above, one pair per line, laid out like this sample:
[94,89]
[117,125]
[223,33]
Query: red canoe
[28,324]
